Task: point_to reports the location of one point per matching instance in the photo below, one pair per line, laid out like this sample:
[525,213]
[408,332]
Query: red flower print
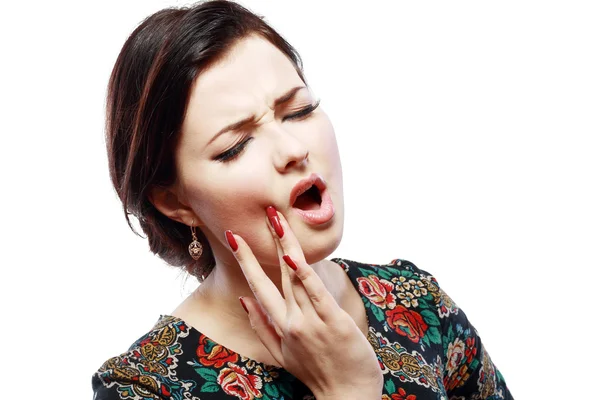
[378,291]
[471,350]
[400,317]
[401,395]
[236,382]
[213,354]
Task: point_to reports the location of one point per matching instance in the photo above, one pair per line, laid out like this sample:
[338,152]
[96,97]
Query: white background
[469,134]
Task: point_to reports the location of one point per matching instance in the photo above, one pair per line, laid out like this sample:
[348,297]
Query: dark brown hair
[147,96]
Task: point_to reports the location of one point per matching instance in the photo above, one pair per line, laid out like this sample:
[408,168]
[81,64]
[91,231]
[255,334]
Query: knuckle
[346,327]
[294,333]
[316,298]
[305,273]
[296,330]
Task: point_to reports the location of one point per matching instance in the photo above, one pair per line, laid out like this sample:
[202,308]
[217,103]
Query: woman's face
[225,191]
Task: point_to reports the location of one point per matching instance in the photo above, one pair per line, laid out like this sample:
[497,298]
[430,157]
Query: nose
[290,152]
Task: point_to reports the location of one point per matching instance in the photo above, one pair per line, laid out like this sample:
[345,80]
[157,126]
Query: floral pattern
[400,395]
[237,382]
[407,323]
[425,345]
[212,354]
[378,291]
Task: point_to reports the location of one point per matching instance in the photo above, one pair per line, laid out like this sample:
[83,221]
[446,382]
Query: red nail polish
[288,260]
[243,305]
[274,219]
[231,240]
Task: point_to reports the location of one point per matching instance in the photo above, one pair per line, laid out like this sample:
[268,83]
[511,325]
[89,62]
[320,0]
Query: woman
[218,146]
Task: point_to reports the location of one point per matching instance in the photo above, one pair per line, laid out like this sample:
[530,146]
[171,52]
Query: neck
[226,283]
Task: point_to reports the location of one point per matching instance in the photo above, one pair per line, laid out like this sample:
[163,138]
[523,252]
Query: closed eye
[232,153]
[305,111]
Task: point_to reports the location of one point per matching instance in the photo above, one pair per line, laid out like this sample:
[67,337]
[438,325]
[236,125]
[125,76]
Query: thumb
[260,323]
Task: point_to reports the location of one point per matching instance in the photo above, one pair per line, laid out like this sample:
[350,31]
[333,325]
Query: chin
[319,245]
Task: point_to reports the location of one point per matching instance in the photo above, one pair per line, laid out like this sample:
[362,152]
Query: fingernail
[288,260]
[274,219]
[243,305]
[231,240]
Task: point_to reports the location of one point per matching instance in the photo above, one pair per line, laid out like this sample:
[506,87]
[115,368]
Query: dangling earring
[195,248]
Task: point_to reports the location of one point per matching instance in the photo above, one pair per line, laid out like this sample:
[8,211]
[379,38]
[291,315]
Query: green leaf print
[272,390]
[378,313]
[451,335]
[365,272]
[408,274]
[366,302]
[390,387]
[384,273]
[434,335]
[423,304]
[210,387]
[210,375]
[426,340]
[430,317]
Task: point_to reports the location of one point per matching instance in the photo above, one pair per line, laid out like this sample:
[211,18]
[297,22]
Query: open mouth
[309,200]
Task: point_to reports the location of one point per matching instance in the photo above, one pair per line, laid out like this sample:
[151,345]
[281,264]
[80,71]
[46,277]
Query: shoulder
[394,269]
[148,368]
[399,283]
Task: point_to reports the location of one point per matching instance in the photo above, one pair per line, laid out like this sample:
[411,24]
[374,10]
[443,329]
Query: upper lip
[304,184]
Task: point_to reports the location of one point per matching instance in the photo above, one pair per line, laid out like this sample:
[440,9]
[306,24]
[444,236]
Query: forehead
[250,77]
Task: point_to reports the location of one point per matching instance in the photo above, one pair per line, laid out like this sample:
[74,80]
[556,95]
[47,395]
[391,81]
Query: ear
[167,201]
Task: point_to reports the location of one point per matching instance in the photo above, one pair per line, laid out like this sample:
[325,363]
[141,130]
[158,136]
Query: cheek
[327,140]
[238,204]
[333,154]
[329,152]
[231,199]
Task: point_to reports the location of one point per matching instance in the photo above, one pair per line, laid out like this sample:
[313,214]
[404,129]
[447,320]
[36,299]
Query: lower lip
[321,215]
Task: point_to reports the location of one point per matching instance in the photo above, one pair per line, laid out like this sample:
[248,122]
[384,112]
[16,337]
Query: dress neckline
[343,263]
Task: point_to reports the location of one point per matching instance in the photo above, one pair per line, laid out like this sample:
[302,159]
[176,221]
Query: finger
[305,303]
[321,300]
[259,321]
[263,288]
[287,275]
[290,282]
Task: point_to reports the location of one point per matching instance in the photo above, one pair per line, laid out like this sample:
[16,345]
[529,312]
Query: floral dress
[426,346]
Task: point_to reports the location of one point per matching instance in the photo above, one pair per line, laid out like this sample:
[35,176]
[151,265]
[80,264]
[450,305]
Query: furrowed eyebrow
[237,125]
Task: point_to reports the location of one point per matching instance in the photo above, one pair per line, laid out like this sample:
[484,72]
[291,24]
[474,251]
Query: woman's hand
[306,331]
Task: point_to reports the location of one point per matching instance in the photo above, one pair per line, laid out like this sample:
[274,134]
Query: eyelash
[237,149]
